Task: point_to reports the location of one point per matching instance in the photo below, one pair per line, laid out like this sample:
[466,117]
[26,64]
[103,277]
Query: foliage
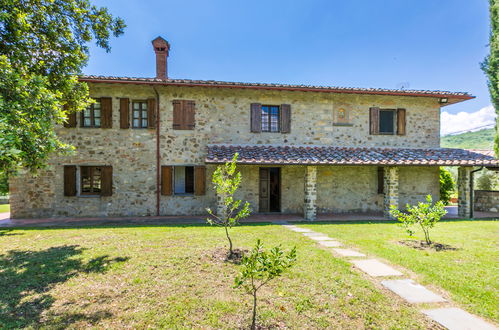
[425,215]
[260,267]
[447,185]
[487,180]
[4,183]
[491,64]
[43,47]
[482,139]
[226,180]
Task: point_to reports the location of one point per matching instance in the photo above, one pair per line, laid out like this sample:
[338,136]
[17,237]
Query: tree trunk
[230,242]
[253,322]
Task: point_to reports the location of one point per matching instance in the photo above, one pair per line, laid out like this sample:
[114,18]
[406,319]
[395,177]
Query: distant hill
[482,139]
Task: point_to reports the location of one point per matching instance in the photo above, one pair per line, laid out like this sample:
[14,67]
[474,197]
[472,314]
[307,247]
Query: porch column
[310,209]
[464,191]
[391,189]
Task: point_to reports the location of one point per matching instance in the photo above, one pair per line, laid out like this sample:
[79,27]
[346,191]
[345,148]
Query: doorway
[270,189]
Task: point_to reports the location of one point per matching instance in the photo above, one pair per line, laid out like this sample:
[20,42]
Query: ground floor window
[90,180]
[183,180]
[381,180]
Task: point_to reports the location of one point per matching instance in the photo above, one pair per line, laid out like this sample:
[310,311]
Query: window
[183,180]
[90,180]
[139,114]
[386,121]
[270,118]
[91,116]
[381,180]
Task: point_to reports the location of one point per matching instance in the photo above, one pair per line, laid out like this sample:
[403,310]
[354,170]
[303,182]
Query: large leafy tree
[491,65]
[43,48]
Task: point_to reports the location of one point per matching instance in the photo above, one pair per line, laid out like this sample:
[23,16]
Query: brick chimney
[161,48]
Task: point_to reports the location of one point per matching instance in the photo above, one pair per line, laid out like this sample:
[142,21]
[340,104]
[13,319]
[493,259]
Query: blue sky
[418,44]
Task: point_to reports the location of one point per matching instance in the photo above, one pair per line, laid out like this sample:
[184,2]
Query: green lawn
[4,208]
[168,277]
[469,273]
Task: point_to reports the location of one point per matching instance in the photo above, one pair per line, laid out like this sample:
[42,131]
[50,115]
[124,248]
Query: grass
[168,277]
[468,273]
[4,208]
[482,139]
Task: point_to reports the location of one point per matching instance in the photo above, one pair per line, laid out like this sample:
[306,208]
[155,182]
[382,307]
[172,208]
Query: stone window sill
[343,124]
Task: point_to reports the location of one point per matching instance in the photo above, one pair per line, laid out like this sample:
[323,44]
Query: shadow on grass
[8,232]
[27,276]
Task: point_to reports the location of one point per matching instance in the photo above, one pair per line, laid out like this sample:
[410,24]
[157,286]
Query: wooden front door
[270,189]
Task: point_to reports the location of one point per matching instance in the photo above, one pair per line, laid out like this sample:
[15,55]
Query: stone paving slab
[314,234]
[321,238]
[349,253]
[412,292]
[329,243]
[374,267]
[301,230]
[457,319]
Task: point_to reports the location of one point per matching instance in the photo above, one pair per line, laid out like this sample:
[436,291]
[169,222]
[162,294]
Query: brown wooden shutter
[71,122]
[374,121]
[69,180]
[401,121]
[285,118]
[199,180]
[106,180]
[106,104]
[124,113]
[177,114]
[256,117]
[151,113]
[381,180]
[189,114]
[166,180]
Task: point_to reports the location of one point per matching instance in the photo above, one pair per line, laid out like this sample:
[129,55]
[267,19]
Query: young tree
[260,267]
[426,215]
[446,185]
[43,47]
[226,180]
[491,64]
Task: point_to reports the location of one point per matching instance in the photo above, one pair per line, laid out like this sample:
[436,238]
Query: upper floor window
[91,116]
[270,118]
[139,114]
[387,121]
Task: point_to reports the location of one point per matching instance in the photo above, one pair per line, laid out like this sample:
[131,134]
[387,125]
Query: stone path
[450,317]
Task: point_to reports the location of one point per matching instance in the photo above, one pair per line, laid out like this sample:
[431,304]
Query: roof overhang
[326,155]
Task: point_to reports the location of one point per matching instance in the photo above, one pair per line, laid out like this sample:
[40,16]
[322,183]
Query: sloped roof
[453,97]
[325,155]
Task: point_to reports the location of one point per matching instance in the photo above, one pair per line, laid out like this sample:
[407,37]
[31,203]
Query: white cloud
[463,121]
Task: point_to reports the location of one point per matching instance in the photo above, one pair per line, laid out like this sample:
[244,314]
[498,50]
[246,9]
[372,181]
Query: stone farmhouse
[148,147]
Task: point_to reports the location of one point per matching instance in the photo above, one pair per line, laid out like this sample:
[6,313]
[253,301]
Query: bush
[4,184]
[260,267]
[447,186]
[424,214]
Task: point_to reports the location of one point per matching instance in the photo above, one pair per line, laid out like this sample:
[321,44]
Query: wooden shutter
[285,118]
[177,114]
[151,113]
[199,180]
[71,122]
[124,113]
[106,104]
[401,121]
[106,180]
[256,117]
[381,180]
[166,180]
[69,180]
[189,110]
[374,121]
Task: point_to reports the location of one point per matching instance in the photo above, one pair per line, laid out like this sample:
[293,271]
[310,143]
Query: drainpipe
[472,191]
[158,154]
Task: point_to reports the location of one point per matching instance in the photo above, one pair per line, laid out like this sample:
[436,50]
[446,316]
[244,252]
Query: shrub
[425,215]
[447,186]
[226,181]
[4,183]
[260,267]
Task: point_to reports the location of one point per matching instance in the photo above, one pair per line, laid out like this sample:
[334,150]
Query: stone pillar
[391,189]
[310,208]
[221,209]
[464,191]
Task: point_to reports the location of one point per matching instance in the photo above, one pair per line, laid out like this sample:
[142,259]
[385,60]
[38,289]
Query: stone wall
[486,200]
[222,116]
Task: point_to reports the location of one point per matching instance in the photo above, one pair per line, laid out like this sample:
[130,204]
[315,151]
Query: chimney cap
[160,45]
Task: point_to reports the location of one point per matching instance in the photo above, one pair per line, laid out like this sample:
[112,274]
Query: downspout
[158,154]
[472,191]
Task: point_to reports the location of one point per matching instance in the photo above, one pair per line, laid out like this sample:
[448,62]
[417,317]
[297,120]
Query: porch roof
[327,155]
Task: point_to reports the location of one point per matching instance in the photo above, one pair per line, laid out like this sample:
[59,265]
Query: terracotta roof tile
[317,155]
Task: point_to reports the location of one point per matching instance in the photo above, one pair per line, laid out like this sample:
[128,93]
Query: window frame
[269,130]
[92,180]
[174,192]
[141,112]
[91,108]
[394,122]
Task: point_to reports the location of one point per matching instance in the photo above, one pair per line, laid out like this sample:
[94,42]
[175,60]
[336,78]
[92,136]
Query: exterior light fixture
[444,100]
